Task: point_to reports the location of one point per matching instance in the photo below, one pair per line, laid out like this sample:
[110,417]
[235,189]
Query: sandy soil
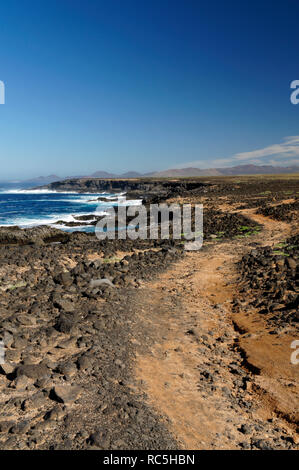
[200,335]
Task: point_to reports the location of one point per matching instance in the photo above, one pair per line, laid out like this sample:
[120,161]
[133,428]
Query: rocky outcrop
[67,375]
[134,188]
[36,235]
[285,212]
[271,274]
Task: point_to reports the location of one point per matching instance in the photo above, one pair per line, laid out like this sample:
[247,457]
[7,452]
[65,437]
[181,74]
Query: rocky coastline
[72,341]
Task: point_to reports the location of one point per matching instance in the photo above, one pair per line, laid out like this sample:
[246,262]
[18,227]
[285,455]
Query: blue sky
[146,85]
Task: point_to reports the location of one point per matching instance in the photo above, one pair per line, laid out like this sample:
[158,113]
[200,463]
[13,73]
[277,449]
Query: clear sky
[146,85]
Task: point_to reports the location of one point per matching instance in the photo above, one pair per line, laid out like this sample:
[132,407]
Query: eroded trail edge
[220,379]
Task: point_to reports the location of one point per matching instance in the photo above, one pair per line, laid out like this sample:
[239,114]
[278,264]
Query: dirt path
[194,371]
[277,383]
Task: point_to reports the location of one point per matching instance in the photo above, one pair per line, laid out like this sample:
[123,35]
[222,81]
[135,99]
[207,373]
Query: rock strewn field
[79,353]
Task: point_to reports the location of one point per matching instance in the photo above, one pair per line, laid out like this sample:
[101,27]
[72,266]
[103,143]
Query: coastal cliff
[134,187]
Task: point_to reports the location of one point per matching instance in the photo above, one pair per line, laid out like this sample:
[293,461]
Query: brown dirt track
[206,283]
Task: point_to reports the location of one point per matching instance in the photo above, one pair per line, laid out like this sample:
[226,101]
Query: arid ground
[182,350]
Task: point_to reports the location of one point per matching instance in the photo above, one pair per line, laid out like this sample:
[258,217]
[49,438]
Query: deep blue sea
[28,208]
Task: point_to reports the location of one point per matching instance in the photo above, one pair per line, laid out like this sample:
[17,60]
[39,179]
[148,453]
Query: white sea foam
[52,218]
[28,191]
[73,227]
[44,191]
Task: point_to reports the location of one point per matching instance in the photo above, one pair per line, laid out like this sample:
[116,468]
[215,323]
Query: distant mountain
[230,171]
[102,174]
[257,170]
[131,174]
[43,180]
[181,172]
[171,173]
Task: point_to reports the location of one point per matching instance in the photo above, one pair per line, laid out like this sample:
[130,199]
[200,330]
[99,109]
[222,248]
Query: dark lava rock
[64,323]
[33,371]
[271,276]
[65,305]
[64,278]
[65,393]
[246,429]
[261,444]
[99,439]
[285,212]
[84,362]
[42,234]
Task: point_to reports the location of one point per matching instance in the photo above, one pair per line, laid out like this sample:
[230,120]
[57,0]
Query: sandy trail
[194,373]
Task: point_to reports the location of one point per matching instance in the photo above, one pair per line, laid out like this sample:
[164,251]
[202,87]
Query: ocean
[28,208]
